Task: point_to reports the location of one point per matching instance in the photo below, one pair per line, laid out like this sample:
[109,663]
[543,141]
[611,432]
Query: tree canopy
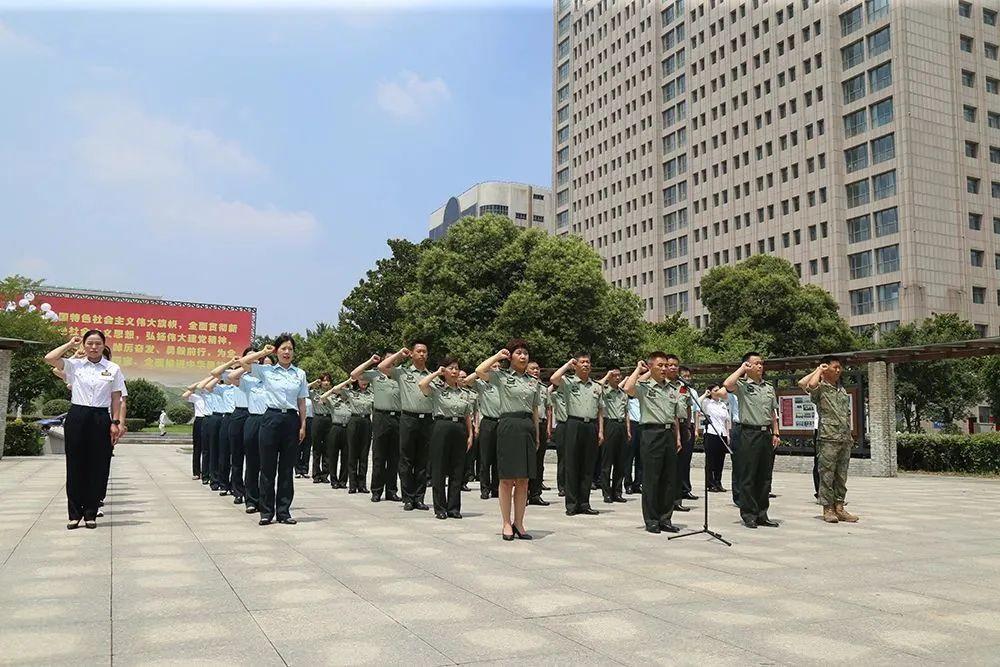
[30,377]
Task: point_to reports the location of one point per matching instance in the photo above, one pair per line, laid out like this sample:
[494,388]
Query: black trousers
[581,452]
[559,440]
[756,461]
[305,450]
[196,446]
[414,450]
[489,480]
[447,456]
[213,423]
[658,445]
[320,461]
[385,452]
[359,445]
[614,458]
[251,448]
[237,451]
[735,436]
[535,484]
[684,460]
[472,461]
[279,445]
[88,448]
[633,469]
[715,459]
[105,476]
[336,453]
[223,465]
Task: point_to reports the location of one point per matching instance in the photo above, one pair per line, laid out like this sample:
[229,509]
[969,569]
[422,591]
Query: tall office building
[527,205]
[859,139]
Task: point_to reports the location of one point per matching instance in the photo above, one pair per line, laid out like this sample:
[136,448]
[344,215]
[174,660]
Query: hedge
[55,407]
[135,425]
[180,414]
[22,439]
[979,453]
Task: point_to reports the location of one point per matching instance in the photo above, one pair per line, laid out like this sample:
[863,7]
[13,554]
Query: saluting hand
[504,353]
[404,352]
[571,363]
[642,366]
[76,340]
[823,367]
[440,370]
[374,359]
[268,349]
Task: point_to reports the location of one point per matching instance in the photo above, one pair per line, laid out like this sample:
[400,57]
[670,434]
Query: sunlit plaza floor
[176,574]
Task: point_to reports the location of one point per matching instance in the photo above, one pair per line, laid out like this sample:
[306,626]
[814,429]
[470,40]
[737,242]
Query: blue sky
[256,157]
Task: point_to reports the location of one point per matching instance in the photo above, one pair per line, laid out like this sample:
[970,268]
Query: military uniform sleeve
[395,372]
[371,374]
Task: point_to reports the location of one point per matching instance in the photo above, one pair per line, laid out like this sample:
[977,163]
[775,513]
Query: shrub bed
[135,424]
[55,407]
[180,414]
[979,453]
[22,439]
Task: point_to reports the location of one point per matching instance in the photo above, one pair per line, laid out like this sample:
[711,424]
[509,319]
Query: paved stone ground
[177,575]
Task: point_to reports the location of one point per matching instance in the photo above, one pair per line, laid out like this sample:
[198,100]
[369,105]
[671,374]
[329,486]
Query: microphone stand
[705,529]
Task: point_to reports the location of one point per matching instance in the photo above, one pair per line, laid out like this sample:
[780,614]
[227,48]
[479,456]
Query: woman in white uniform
[97,387]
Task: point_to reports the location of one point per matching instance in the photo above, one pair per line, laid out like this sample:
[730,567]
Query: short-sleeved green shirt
[659,403]
[757,402]
[544,401]
[558,405]
[614,400]
[834,407]
[471,397]
[685,399]
[320,408]
[518,391]
[340,409]
[410,397]
[449,401]
[582,398]
[489,398]
[360,402]
[386,390]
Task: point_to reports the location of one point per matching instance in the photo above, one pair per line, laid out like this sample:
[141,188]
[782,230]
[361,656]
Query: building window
[854,88]
[990,50]
[992,86]
[965,43]
[884,185]
[965,10]
[888,297]
[979,295]
[860,264]
[861,301]
[976,221]
[881,113]
[972,185]
[858,229]
[886,222]
[996,225]
[989,17]
[971,149]
[880,77]
[887,259]
[968,79]
[856,157]
[993,120]
[538,218]
[851,21]
[877,9]
[995,189]
[883,148]
[969,113]
[496,209]
[854,123]
[977,258]
[857,193]
[994,155]
[562,219]
[853,54]
[879,42]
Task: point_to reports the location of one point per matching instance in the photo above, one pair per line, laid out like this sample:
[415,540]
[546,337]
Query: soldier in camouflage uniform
[834,441]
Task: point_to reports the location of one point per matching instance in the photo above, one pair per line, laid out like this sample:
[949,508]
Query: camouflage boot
[843,514]
[829,515]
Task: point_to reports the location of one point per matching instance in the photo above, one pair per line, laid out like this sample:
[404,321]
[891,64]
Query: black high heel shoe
[519,535]
[506,537]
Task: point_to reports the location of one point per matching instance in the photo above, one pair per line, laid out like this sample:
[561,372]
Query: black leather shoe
[213,487]
[224,492]
[669,527]
[465,487]
[237,500]
[750,523]
[363,489]
[690,496]
[394,497]
[594,486]
[494,494]
[681,508]
[653,529]
[619,499]
[251,509]
[545,487]
[317,481]
[454,514]
[288,521]
[589,511]
[407,507]
[484,495]
[562,494]
[264,522]
[767,522]
[609,499]
[204,481]
[538,500]
[571,512]
[352,490]
[440,515]
[771,495]
[376,498]
[421,506]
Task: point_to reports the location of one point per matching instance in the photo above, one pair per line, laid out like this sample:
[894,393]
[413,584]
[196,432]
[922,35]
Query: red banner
[173,343]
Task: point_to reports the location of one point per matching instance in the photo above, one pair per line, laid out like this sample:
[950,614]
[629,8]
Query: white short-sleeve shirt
[93,383]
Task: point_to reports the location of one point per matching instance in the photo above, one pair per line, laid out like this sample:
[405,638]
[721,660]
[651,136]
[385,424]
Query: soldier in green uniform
[659,439]
[360,397]
[336,438]
[615,450]
[556,432]
[488,403]
[321,429]
[584,430]
[472,454]
[385,429]
[536,486]
[450,439]
[759,435]
[834,441]
[416,422]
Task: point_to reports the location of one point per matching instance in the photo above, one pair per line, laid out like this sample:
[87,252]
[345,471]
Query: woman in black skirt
[92,424]
[517,432]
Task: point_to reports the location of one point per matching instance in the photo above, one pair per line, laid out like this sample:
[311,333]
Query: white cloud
[411,96]
[173,173]
[14,43]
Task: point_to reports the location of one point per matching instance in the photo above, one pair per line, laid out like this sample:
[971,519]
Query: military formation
[258,422]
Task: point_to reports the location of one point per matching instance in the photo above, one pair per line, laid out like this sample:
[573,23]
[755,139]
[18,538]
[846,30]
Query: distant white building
[527,205]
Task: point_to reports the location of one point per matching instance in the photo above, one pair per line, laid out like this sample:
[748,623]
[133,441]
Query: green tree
[30,376]
[938,390]
[676,335]
[487,280]
[145,400]
[761,302]
[990,374]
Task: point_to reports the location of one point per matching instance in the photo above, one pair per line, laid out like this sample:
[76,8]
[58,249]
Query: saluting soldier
[488,404]
[557,435]
[615,450]
[197,402]
[584,430]
[536,485]
[385,429]
[213,394]
[237,424]
[360,399]
[322,423]
[689,432]
[337,443]
[415,424]
[256,407]
[660,440]
[759,435]
[305,447]
[473,453]
[834,440]
[450,439]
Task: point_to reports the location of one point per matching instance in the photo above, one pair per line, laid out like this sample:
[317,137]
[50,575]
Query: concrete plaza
[175,574]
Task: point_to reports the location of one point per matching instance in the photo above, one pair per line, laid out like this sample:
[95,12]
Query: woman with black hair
[256,407]
[451,437]
[517,432]
[715,406]
[282,429]
[90,428]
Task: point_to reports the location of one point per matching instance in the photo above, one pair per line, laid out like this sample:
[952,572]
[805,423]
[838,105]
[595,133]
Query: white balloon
[45,307]
[32,309]
[23,303]
[30,296]
[10,306]
[51,315]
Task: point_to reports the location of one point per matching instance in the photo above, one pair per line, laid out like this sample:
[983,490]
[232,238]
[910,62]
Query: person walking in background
[162,423]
